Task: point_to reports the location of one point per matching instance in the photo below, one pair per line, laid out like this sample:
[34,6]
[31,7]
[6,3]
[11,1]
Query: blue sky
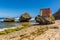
[14,8]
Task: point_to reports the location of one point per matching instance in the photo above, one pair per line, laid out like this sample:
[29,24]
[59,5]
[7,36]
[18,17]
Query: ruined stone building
[45,12]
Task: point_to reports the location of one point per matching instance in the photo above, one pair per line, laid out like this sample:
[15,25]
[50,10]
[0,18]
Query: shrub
[26,24]
[52,17]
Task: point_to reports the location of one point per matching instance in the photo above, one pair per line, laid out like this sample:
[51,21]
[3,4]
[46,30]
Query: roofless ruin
[45,12]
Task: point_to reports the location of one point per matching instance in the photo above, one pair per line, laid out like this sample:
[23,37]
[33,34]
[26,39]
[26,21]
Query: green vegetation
[25,25]
[9,30]
[52,17]
[2,32]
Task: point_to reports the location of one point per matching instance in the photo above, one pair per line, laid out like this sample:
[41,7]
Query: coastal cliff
[57,15]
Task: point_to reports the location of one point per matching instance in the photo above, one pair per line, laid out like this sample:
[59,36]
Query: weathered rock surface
[25,17]
[44,20]
[57,15]
[9,20]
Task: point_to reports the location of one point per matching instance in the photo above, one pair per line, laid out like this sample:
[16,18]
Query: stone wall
[46,12]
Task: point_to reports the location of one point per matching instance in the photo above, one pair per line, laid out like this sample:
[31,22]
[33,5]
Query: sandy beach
[25,34]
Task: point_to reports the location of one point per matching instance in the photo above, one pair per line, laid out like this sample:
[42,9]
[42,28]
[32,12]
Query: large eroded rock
[43,20]
[24,17]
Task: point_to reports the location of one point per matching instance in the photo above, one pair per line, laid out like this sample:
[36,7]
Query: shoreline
[6,25]
[32,24]
[7,28]
[33,32]
[2,29]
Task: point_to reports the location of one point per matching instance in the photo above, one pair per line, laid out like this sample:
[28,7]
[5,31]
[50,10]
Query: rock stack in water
[9,19]
[25,17]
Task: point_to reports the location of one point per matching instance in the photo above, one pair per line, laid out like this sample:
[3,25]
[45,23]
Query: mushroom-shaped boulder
[25,17]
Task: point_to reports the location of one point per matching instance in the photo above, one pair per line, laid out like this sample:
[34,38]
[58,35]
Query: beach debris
[25,17]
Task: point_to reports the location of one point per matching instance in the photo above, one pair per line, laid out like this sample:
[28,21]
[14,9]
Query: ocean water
[7,24]
[10,24]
